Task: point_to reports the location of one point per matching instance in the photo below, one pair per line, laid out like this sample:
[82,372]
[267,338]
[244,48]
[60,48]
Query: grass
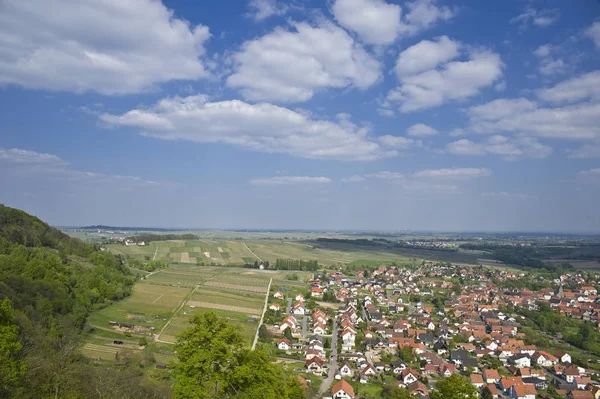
[158,299]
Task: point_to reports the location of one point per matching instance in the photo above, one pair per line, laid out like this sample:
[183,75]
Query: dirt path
[262,315]
[252,252]
[168,323]
[155,252]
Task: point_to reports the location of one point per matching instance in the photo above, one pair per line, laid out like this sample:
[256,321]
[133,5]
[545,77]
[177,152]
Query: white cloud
[111,46]
[426,55]
[505,195]
[291,65]
[591,172]
[541,18]
[586,151]
[353,179]
[263,9]
[500,108]
[386,175]
[454,80]
[424,14]
[586,86]
[593,32]
[21,162]
[509,148]
[454,173]
[543,51]
[287,180]
[398,142]
[375,21]
[26,157]
[421,130]
[549,65]
[580,121]
[259,127]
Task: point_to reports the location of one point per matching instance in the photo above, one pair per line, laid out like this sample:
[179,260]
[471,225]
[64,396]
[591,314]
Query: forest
[49,283]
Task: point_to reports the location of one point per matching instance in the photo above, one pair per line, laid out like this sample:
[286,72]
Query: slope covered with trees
[49,283]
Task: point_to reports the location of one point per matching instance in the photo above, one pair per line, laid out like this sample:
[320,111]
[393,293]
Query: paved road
[289,306]
[262,315]
[326,384]
[304,327]
[364,314]
[155,252]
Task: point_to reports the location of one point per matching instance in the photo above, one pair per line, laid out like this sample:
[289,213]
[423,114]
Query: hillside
[18,227]
[49,283]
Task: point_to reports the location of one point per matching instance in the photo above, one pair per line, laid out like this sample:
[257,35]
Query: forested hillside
[49,283]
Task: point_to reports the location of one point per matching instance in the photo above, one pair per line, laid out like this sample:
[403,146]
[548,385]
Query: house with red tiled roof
[342,390]
[523,391]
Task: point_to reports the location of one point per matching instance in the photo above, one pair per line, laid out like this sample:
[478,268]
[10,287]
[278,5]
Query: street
[333,363]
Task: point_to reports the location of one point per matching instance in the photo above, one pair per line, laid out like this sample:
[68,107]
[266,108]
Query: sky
[337,114]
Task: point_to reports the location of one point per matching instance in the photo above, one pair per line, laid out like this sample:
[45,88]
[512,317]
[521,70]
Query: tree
[394,392]
[454,387]
[486,394]
[11,368]
[213,363]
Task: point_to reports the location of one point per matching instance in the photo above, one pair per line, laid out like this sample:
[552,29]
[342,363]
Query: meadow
[163,304]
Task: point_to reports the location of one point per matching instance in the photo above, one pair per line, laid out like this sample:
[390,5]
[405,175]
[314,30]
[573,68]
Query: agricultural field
[163,303]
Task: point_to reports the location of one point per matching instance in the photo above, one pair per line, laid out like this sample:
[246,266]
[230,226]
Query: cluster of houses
[466,333]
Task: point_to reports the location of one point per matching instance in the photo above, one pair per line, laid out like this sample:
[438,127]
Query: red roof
[343,386]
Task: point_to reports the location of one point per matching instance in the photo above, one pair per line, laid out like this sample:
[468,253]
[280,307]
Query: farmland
[163,304]
[209,252]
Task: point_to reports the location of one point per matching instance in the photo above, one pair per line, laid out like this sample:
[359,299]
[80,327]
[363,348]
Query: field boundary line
[155,252]
[168,323]
[262,315]
[161,295]
[252,252]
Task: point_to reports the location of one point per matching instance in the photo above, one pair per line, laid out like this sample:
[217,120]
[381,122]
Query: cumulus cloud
[378,22]
[583,87]
[421,130]
[578,121]
[398,142]
[593,32]
[426,55]
[455,80]
[386,175]
[258,127]
[540,18]
[287,180]
[549,65]
[509,148]
[375,21]
[424,14]
[454,173]
[263,9]
[589,176]
[110,47]
[291,65]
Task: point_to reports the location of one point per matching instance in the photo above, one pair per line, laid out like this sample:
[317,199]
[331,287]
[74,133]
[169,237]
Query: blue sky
[340,114]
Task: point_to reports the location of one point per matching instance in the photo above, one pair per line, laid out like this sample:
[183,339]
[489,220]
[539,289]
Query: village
[410,328]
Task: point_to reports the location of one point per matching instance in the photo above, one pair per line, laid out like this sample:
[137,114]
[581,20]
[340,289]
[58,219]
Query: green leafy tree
[486,394]
[11,367]
[214,364]
[454,387]
[394,392]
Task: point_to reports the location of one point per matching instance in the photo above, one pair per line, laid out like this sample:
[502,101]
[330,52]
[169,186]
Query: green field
[163,303]
[212,252]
